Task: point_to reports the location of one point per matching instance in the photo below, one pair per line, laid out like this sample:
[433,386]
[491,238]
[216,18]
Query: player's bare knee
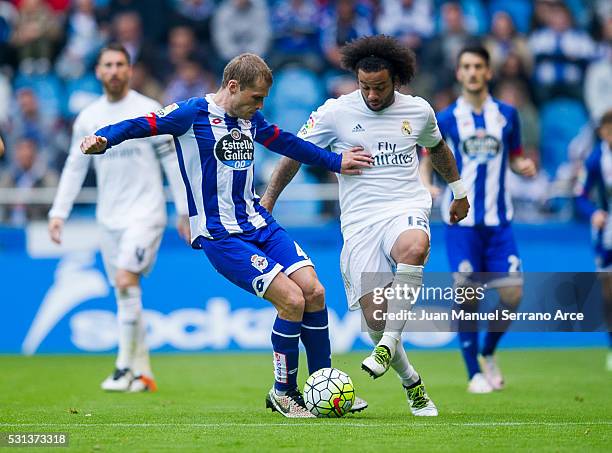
[511,296]
[121,283]
[292,307]
[314,297]
[415,253]
[125,279]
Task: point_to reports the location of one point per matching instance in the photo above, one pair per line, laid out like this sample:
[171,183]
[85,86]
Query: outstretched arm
[444,163]
[349,162]
[175,119]
[283,173]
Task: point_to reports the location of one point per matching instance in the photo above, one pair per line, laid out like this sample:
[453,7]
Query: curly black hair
[375,53]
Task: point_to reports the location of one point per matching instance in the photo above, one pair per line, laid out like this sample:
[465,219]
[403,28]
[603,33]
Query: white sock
[400,363]
[129,313]
[406,276]
[141,362]
[404,369]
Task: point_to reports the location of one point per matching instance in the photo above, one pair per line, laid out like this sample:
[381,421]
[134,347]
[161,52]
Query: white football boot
[143,383]
[491,372]
[290,405]
[119,381]
[420,403]
[479,384]
[609,361]
[359,405]
[377,363]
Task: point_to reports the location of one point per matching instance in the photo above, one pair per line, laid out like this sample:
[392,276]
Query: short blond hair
[246,69]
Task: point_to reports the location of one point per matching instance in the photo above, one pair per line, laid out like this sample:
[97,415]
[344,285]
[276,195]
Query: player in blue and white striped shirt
[484,134]
[598,178]
[214,138]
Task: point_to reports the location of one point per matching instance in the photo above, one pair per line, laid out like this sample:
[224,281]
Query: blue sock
[490,342]
[315,337]
[469,349]
[286,346]
[610,338]
[468,339]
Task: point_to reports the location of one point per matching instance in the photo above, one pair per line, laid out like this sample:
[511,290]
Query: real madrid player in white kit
[385,210]
[131,208]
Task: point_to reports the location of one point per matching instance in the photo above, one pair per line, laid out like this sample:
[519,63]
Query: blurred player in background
[599,177]
[484,135]
[131,208]
[214,140]
[385,210]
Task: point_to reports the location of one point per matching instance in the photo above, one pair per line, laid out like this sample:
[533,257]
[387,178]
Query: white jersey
[393,185]
[129,180]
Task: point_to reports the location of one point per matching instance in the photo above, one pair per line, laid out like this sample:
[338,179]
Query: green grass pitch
[555,400]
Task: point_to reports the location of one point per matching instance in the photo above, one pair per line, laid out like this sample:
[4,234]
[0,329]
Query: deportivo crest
[481,146]
[259,262]
[166,110]
[235,150]
[406,128]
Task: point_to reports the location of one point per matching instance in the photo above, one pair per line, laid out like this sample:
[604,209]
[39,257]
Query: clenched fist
[93,144]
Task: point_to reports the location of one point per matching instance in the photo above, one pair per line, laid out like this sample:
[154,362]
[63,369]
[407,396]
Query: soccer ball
[329,392]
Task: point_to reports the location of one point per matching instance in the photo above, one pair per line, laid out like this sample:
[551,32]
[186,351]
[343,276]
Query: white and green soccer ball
[329,392]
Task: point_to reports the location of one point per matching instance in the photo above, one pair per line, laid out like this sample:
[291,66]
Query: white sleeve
[166,153]
[73,175]
[430,135]
[320,128]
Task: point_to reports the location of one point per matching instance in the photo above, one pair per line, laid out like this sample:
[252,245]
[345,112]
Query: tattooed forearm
[283,174]
[443,162]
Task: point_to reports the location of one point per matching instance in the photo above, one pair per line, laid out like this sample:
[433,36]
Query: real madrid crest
[406,128]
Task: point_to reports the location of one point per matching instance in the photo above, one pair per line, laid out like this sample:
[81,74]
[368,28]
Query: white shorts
[366,261]
[133,249]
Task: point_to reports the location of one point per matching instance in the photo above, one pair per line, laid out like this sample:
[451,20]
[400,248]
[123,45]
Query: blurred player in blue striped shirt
[599,178]
[484,134]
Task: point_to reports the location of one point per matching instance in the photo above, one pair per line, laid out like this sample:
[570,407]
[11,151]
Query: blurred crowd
[552,59]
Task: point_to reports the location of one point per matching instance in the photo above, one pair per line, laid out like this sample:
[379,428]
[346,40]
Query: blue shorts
[603,255]
[603,260]
[484,249]
[252,260]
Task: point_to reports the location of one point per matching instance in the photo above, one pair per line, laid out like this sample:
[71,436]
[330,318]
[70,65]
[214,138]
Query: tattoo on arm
[443,162]
[284,172]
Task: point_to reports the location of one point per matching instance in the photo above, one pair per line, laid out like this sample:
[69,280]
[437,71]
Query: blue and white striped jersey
[482,144]
[216,154]
[598,177]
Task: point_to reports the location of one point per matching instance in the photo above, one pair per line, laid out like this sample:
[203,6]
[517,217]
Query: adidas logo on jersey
[358,128]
